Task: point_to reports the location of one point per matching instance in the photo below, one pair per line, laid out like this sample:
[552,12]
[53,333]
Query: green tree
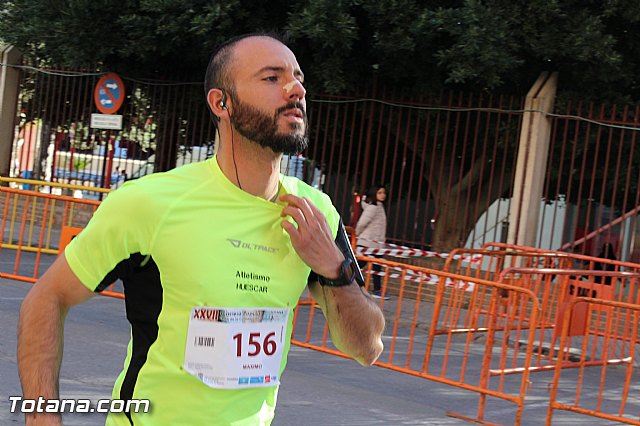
[417,46]
[481,45]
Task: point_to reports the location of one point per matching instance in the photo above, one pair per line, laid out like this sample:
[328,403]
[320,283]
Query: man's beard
[262,129]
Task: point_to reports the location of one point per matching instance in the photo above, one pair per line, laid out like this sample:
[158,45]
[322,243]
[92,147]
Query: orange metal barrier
[497,257]
[32,226]
[489,262]
[454,357]
[618,285]
[548,275]
[471,329]
[578,261]
[556,289]
[34,229]
[615,395]
[490,266]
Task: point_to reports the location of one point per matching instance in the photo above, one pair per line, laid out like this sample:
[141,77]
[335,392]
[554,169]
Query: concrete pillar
[531,165]
[9,87]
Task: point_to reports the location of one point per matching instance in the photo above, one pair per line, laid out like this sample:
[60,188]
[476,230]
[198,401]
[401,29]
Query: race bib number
[232,348]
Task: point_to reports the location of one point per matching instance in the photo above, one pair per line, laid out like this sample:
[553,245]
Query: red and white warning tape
[424,278]
[402,251]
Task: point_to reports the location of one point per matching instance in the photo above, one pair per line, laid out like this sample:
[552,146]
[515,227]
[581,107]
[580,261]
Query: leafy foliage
[415,44]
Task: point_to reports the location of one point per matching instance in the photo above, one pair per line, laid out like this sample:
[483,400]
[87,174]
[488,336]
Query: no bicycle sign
[109,93]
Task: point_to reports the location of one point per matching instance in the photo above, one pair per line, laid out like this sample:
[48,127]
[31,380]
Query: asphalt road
[317,388]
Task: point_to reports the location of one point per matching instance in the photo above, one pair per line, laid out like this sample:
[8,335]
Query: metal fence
[448,159]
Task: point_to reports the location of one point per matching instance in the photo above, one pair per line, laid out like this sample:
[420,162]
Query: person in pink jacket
[371,228]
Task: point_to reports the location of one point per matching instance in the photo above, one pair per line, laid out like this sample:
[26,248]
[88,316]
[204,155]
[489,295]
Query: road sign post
[108,97]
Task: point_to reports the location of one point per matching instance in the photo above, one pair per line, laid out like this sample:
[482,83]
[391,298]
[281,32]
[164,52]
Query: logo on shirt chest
[243,245]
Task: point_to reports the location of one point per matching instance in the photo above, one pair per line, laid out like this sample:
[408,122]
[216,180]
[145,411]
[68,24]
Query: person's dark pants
[376,268]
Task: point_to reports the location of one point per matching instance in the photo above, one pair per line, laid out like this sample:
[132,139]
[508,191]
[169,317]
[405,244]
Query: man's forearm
[355,322]
[40,342]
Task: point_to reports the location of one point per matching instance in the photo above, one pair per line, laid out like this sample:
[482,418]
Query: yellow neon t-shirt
[183,239]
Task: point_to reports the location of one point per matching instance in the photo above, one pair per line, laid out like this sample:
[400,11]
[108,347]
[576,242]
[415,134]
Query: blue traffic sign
[109,93]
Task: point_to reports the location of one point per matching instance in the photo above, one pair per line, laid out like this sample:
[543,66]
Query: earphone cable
[233,149]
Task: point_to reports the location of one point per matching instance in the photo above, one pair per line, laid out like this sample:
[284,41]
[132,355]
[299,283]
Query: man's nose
[294,90]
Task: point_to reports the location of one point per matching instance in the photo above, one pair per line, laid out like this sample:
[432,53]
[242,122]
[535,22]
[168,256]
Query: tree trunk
[455,218]
[453,223]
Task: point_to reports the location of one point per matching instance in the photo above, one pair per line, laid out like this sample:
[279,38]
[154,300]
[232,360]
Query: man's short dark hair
[217,75]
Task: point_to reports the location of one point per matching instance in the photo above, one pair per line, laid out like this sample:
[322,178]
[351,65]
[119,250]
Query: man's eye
[271,78]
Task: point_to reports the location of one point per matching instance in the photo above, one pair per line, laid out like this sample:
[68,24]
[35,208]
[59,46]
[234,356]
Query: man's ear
[217,100]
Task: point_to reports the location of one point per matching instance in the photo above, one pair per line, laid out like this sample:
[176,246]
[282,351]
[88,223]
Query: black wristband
[346,277]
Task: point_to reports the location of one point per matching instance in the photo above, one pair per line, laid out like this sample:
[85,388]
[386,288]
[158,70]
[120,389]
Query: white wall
[490,228]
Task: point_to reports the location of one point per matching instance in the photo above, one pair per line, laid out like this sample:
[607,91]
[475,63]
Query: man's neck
[255,170]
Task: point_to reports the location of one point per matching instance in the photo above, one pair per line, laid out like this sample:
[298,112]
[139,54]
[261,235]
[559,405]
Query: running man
[213,257]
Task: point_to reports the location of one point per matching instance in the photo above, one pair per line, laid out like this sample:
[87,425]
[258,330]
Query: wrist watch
[346,277]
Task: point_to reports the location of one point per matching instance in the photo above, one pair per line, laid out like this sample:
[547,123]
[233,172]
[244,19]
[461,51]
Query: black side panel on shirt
[143,302]
[342,241]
